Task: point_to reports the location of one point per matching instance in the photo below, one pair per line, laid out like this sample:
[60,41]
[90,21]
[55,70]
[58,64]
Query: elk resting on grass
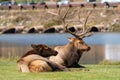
[69,54]
[36,60]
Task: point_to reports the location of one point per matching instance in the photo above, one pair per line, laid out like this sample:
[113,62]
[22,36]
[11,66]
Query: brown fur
[39,66]
[69,54]
[42,50]
[33,61]
[38,63]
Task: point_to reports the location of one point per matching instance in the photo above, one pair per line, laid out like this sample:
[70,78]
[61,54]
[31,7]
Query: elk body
[69,54]
[36,61]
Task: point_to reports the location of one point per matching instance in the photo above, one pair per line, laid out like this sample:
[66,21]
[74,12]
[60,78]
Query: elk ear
[70,39]
[33,46]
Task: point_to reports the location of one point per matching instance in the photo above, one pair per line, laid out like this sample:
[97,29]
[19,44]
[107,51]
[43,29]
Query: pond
[103,45]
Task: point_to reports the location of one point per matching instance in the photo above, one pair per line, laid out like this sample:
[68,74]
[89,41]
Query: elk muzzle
[85,48]
[55,53]
[88,48]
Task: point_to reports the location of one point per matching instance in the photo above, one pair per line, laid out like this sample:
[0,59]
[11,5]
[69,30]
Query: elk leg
[79,66]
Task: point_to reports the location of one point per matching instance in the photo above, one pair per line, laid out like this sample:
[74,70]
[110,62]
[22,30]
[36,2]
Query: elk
[42,50]
[35,60]
[69,54]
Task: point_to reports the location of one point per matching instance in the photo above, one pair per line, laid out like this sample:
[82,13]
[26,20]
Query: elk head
[44,50]
[79,44]
[78,39]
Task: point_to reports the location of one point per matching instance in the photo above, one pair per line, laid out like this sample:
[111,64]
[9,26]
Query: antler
[84,28]
[62,17]
[75,35]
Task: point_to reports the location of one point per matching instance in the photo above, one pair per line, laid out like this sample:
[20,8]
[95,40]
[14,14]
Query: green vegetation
[107,62]
[4,0]
[50,23]
[8,71]
[116,27]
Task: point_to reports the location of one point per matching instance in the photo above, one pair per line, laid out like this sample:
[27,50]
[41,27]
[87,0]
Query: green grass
[8,71]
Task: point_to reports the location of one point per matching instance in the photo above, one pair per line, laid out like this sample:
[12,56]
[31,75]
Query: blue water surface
[58,39]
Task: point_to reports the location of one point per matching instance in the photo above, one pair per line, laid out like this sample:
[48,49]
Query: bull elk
[35,60]
[69,54]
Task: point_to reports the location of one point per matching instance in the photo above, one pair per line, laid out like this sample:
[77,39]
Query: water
[103,45]
[58,39]
[26,39]
[104,38]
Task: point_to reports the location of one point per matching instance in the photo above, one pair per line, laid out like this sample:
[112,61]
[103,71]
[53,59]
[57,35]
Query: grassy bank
[92,72]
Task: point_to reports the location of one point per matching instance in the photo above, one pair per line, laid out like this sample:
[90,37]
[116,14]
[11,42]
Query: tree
[4,0]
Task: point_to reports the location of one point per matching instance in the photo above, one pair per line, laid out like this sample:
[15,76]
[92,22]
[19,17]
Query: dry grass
[31,18]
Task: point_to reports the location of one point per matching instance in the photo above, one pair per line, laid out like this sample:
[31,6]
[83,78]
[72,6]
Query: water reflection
[103,45]
[112,52]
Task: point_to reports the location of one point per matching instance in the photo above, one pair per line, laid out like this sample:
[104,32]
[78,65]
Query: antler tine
[89,34]
[66,13]
[79,16]
[66,26]
[64,16]
[59,11]
[85,30]
[52,13]
[87,18]
[56,14]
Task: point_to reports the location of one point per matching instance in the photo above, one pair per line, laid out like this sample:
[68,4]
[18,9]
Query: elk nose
[56,52]
[88,48]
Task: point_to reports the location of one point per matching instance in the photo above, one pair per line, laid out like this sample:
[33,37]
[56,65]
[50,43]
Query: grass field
[92,72]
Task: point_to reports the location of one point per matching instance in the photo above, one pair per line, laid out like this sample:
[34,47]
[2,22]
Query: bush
[49,24]
[108,62]
[4,0]
[116,27]
[53,22]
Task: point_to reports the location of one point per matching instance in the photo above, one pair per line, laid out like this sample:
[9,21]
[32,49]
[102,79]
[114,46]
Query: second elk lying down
[36,60]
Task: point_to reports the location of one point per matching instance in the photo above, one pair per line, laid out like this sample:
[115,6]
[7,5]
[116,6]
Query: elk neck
[69,50]
[30,52]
